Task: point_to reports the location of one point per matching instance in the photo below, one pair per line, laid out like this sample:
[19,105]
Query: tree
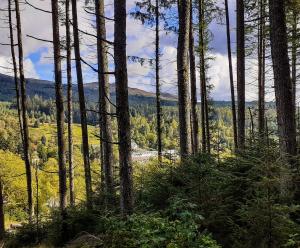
[15,69]
[157,83]
[203,80]
[121,76]
[282,81]
[84,130]
[194,114]
[60,119]
[261,68]
[2,217]
[24,112]
[183,78]
[70,102]
[104,100]
[240,36]
[233,107]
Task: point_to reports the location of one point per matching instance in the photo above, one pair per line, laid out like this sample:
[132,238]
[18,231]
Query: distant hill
[46,90]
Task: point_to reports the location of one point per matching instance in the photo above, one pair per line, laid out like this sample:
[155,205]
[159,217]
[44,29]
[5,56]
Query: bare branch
[39,39]
[37,8]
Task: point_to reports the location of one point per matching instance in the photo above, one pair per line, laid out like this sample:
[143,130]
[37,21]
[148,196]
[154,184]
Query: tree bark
[2,216]
[13,56]
[70,103]
[183,78]
[24,113]
[261,70]
[294,54]
[104,102]
[204,100]
[195,124]
[123,108]
[282,81]
[233,107]
[157,84]
[84,129]
[240,72]
[60,118]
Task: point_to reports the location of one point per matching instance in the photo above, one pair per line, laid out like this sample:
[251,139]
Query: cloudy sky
[140,42]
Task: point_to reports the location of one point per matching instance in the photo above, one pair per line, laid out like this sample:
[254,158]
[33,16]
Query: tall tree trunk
[2,216]
[123,107]
[233,107]
[13,56]
[84,129]
[60,118]
[183,78]
[294,55]
[261,70]
[282,81]
[204,100]
[240,27]
[24,113]
[157,83]
[70,103]
[104,102]
[195,124]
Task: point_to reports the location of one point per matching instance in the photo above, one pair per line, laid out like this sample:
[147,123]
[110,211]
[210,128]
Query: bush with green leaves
[246,200]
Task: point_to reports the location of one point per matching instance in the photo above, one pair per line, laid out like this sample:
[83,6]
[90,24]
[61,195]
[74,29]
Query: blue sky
[38,62]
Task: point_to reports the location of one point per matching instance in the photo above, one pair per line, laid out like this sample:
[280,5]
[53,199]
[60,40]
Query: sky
[140,42]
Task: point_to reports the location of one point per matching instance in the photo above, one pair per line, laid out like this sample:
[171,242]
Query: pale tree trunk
[13,56]
[195,124]
[84,129]
[104,102]
[233,107]
[183,78]
[240,27]
[24,113]
[2,216]
[123,108]
[60,119]
[282,81]
[70,103]
[261,70]
[157,83]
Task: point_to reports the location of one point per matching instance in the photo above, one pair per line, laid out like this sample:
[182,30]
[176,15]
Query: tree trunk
[183,78]
[104,102]
[84,129]
[60,118]
[13,56]
[2,216]
[240,72]
[204,100]
[195,124]
[261,70]
[158,98]
[294,55]
[233,107]
[24,113]
[70,103]
[123,108]
[282,81]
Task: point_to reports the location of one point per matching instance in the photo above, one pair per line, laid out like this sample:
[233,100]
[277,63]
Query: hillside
[46,89]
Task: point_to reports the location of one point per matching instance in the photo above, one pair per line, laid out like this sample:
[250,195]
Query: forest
[149,123]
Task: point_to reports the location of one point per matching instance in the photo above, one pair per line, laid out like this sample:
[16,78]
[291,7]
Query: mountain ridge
[45,89]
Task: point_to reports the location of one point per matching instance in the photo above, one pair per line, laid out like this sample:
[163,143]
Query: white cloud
[139,43]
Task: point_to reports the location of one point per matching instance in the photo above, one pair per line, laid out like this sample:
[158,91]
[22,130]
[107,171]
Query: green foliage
[246,201]
[141,230]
